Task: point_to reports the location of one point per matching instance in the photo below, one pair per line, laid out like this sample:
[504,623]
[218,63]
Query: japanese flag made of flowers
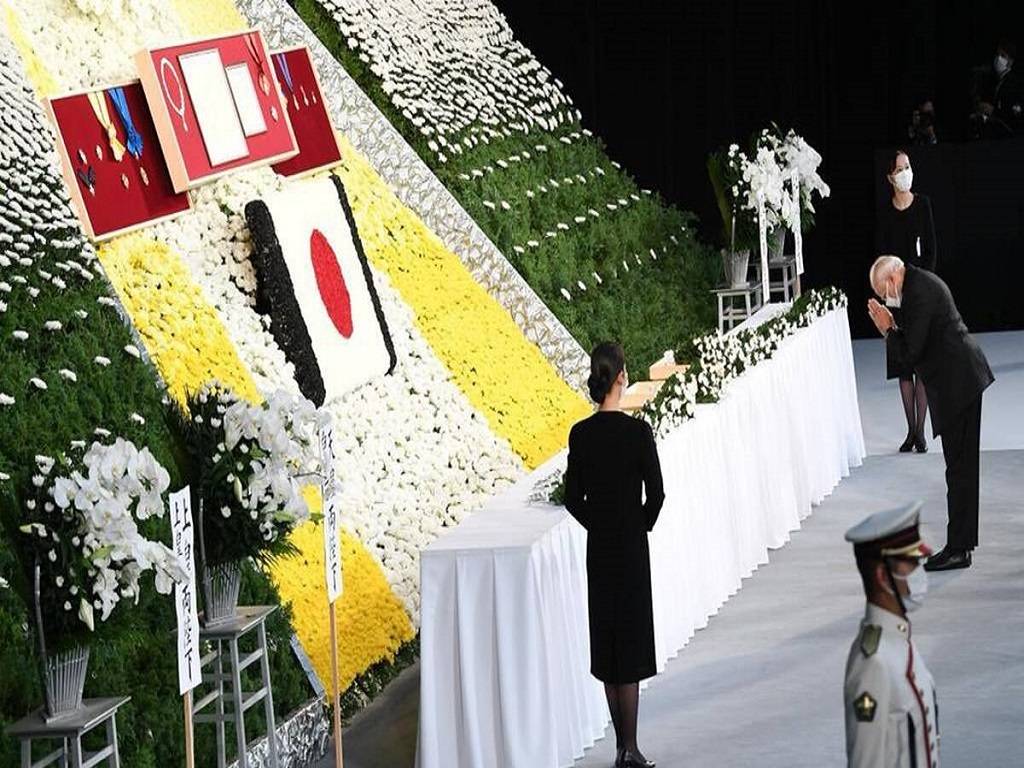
[315,283]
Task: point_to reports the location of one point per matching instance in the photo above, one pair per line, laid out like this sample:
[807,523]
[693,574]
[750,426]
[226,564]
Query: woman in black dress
[905,229]
[613,465]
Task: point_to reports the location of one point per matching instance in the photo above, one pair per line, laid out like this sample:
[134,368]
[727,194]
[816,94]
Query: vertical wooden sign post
[189,675]
[332,573]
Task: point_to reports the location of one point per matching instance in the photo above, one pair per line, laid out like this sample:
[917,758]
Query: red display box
[319,147]
[166,80]
[112,207]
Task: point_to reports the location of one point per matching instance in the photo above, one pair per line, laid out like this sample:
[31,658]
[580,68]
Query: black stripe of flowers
[367,274]
[275,296]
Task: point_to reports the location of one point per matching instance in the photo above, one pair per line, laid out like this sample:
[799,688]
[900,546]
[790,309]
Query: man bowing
[933,340]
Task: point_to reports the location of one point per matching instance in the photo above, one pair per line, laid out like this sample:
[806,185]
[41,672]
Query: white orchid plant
[81,525]
[249,464]
[774,162]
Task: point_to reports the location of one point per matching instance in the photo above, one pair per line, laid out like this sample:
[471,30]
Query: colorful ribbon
[282,66]
[99,107]
[264,81]
[133,136]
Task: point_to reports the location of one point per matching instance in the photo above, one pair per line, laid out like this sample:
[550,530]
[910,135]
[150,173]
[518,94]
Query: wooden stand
[339,759]
[70,730]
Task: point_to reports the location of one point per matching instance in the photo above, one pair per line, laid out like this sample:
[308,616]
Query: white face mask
[893,302]
[917,588]
[1000,64]
[903,179]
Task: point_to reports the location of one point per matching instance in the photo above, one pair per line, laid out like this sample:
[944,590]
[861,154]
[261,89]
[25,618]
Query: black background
[664,83]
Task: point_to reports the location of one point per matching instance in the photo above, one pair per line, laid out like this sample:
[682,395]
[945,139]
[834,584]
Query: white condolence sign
[332,549]
[185,592]
[762,227]
[798,236]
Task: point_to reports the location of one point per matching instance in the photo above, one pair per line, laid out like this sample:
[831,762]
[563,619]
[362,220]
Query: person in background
[906,229]
[932,339]
[889,699]
[999,110]
[921,130]
[613,487]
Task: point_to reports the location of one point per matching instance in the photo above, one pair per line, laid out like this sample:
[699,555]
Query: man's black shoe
[949,560]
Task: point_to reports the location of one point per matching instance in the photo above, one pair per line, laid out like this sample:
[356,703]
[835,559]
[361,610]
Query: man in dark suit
[933,340]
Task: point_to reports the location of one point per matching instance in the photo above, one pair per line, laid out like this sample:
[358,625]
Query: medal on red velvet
[87,175]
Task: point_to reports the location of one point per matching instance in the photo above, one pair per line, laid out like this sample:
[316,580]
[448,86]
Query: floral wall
[470,406]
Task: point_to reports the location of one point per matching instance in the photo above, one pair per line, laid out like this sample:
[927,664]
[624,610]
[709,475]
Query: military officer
[892,713]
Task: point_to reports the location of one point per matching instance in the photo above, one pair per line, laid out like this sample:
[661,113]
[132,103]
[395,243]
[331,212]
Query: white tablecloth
[505,657]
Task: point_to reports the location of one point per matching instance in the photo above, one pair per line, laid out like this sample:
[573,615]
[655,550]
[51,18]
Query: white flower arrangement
[82,528]
[249,464]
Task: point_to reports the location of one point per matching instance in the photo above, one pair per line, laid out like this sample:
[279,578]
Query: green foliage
[135,653]
[651,307]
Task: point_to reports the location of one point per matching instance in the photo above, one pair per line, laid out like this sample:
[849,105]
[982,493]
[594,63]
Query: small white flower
[6,399]
[38,383]
[132,350]
[566,294]
[20,335]
[68,374]
[101,360]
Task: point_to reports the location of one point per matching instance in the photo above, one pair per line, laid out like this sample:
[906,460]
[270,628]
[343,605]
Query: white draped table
[505,657]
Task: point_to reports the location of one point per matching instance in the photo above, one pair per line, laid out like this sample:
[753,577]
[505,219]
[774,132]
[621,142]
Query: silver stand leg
[746,303]
[64,755]
[236,682]
[218,669]
[26,753]
[115,757]
[721,319]
[268,702]
[76,751]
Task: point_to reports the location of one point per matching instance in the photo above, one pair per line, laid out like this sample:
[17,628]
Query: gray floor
[762,684]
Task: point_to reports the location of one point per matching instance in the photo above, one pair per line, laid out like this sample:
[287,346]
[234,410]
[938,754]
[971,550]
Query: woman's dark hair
[606,363]
[895,156]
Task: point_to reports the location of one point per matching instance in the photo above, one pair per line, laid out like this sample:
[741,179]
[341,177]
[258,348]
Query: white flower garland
[721,358]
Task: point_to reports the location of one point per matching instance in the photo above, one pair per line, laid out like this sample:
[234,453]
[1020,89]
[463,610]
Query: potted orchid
[83,554]
[739,230]
[248,466]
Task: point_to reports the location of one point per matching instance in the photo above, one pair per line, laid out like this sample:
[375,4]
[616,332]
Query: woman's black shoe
[920,444]
[620,757]
[633,760]
[908,444]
